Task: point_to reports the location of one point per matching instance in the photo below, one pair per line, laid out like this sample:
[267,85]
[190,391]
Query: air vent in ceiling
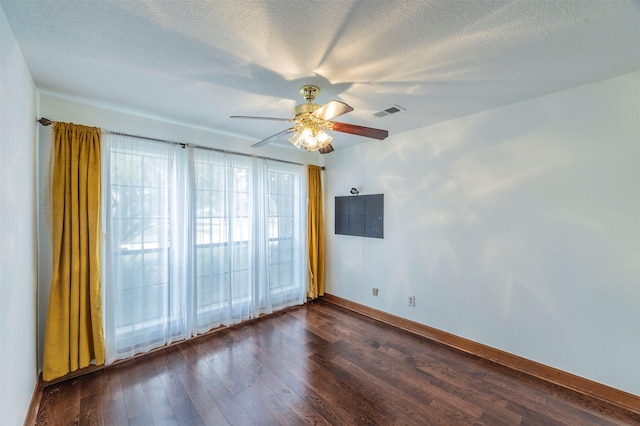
[392,110]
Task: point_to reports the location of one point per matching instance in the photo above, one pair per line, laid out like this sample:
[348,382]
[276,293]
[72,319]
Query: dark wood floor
[317,364]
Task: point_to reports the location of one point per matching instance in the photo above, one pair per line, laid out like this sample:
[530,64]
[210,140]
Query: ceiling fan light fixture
[310,138]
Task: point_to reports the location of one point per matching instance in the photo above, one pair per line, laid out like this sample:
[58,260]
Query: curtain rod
[46,122]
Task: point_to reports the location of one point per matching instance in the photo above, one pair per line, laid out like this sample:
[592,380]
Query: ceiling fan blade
[260,118]
[368,132]
[331,110]
[325,150]
[271,138]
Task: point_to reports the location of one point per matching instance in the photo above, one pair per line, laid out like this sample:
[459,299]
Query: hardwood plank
[142,419]
[133,394]
[562,410]
[289,398]
[197,388]
[407,408]
[68,402]
[185,411]
[91,410]
[92,384]
[187,414]
[48,406]
[159,405]
[114,412]
[319,403]
[234,377]
[254,408]
[232,411]
[281,413]
[111,386]
[174,390]
[497,417]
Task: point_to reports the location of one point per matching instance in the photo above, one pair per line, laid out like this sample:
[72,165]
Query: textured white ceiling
[198,62]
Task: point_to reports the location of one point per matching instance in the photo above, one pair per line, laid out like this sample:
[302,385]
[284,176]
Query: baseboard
[32,413]
[532,368]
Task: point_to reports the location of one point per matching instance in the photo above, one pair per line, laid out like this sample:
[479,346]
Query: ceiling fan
[312,122]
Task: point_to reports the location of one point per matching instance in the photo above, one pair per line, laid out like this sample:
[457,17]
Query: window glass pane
[240,284]
[285,227]
[129,235]
[286,183]
[203,175]
[241,183]
[154,171]
[203,203]
[126,201]
[126,169]
[203,231]
[218,206]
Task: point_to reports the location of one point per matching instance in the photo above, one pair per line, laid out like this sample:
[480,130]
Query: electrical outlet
[412,301]
[375,291]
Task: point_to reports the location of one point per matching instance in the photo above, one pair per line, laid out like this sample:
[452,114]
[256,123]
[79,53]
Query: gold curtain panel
[315,233]
[73,334]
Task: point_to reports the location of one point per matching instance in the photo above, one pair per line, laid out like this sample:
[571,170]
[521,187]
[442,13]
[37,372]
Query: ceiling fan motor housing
[305,108]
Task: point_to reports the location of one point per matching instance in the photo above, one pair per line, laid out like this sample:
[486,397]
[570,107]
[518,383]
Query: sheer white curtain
[250,240]
[195,239]
[286,234]
[224,195]
[145,252]
[259,249]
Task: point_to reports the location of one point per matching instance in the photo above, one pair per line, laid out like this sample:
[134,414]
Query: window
[195,239]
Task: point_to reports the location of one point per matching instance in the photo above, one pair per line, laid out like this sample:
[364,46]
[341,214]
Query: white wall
[18,255]
[518,228]
[58,108]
